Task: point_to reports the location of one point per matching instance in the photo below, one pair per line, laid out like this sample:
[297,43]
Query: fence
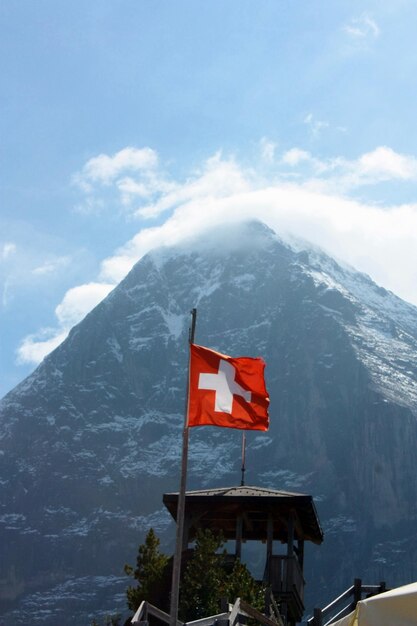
[345,603]
[238,613]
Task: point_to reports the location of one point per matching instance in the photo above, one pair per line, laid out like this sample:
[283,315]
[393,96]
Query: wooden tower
[266,515]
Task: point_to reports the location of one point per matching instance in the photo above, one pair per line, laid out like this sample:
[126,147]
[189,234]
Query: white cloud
[315,126]
[34,348]
[8,249]
[27,264]
[379,165]
[218,178]
[51,266]
[129,188]
[75,305]
[122,179]
[378,239]
[90,205]
[295,156]
[133,179]
[79,301]
[105,168]
[268,149]
[362,27]
[385,164]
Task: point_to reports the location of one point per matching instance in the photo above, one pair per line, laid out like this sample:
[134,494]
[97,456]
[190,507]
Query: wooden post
[290,550]
[318,619]
[301,553]
[239,532]
[176,570]
[269,546]
[357,591]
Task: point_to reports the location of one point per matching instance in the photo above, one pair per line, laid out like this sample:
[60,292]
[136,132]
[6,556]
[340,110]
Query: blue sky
[129,124]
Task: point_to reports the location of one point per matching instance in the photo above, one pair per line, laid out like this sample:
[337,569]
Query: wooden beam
[239,530]
[248,523]
[301,553]
[290,549]
[269,545]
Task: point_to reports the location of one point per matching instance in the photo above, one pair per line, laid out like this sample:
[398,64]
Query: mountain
[91,440]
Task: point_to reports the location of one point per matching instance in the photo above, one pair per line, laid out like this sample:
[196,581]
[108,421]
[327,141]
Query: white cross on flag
[226,391]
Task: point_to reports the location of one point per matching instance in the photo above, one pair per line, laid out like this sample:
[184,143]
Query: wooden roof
[217,509]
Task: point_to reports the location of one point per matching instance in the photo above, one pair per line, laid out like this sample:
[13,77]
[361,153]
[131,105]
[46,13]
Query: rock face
[91,440]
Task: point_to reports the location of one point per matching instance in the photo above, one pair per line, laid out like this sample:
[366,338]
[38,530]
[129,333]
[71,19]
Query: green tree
[241,584]
[150,569]
[203,579]
[208,577]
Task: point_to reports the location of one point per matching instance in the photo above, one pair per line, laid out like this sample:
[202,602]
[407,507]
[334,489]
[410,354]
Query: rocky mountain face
[91,440]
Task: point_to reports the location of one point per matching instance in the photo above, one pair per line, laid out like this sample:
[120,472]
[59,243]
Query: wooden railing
[237,614]
[285,575]
[272,608]
[345,603]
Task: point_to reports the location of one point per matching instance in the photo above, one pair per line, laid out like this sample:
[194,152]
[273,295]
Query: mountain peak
[91,439]
[221,240]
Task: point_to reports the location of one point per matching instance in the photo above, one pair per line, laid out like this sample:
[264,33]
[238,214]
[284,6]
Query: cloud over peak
[293,192]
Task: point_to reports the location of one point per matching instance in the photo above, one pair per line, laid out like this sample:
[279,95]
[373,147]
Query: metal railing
[345,603]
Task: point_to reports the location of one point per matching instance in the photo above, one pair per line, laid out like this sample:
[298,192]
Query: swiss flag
[226,391]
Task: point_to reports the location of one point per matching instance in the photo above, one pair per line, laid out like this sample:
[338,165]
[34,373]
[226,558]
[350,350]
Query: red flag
[226,391]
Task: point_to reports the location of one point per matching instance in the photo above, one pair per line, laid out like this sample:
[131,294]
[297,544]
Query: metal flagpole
[242,482]
[176,571]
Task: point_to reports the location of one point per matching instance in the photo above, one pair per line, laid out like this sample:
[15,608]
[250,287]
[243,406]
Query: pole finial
[191,331]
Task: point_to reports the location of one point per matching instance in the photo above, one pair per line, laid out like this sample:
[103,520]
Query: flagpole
[242,482]
[176,570]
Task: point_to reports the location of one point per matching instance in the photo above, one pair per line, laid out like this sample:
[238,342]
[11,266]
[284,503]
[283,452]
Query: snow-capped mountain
[91,440]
